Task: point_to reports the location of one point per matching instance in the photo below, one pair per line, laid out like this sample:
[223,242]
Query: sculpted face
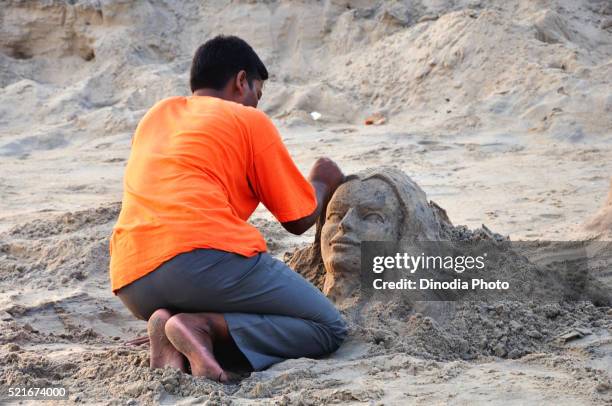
[358,211]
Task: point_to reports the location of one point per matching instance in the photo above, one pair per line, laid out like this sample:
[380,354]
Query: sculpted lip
[344,241]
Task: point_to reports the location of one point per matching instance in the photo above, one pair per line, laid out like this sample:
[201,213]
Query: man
[183,256]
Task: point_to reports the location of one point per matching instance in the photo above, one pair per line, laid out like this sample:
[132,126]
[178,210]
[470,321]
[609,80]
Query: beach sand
[501,111]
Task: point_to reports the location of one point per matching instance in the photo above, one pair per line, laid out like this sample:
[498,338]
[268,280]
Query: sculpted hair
[220,59]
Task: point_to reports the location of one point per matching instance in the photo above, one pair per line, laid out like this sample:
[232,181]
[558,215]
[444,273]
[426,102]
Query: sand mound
[478,325]
[50,254]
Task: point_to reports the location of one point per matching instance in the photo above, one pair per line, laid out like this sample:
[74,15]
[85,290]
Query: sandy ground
[501,111]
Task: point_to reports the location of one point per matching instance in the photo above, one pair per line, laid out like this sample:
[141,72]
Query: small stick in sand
[138,341]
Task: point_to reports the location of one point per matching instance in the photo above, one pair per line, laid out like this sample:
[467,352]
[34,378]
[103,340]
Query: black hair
[220,59]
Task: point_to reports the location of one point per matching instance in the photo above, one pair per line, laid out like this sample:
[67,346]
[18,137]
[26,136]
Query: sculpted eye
[374,217]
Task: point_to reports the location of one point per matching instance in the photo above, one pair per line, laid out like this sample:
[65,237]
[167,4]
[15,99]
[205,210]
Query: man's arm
[325,177]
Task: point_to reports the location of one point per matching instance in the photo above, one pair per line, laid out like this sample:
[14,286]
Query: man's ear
[241,82]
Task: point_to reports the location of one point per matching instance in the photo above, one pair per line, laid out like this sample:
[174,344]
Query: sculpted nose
[347,222]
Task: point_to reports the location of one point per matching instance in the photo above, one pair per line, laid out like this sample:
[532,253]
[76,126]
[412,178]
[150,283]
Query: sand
[600,225]
[500,111]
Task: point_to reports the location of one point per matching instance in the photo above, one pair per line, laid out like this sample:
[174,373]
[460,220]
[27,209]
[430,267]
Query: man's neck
[221,94]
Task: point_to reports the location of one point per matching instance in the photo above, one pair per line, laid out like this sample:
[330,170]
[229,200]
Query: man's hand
[327,172]
[325,177]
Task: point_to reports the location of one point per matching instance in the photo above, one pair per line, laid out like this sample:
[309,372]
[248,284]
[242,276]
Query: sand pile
[66,258]
[476,324]
[524,67]
[475,330]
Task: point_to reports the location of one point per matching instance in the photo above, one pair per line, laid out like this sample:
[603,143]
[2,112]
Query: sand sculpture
[374,205]
[385,204]
[379,204]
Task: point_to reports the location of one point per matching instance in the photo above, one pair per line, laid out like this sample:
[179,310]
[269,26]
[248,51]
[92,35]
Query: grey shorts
[272,312]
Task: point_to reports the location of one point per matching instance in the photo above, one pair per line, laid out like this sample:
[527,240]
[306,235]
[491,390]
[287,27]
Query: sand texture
[501,111]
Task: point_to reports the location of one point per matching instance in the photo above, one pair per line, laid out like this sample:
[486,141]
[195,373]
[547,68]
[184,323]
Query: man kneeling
[184,257]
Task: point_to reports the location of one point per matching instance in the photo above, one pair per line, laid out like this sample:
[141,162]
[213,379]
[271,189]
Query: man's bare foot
[163,354]
[192,334]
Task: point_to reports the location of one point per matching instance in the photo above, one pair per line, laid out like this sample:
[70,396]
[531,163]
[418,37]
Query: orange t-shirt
[198,168]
